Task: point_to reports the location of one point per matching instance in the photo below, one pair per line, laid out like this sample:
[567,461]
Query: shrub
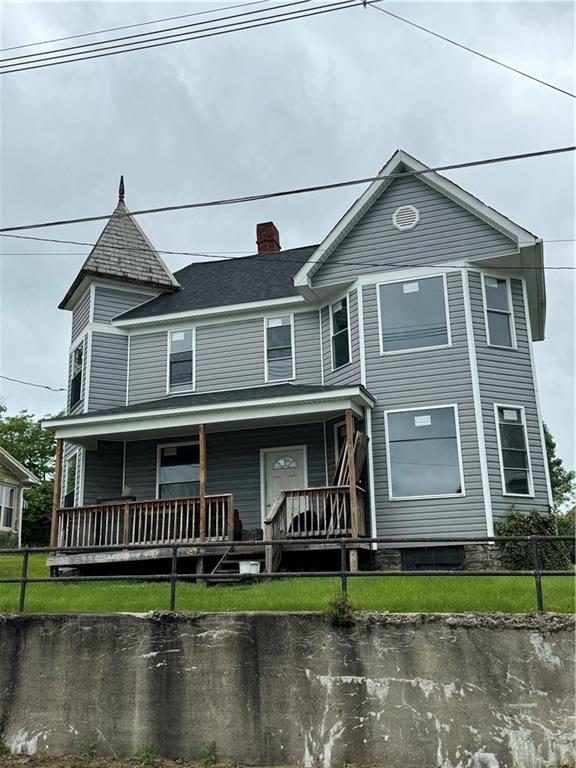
[566,525]
[339,612]
[554,555]
[8,540]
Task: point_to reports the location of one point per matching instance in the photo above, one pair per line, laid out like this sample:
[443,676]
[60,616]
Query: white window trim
[522,410]
[446,309]
[510,312]
[159,448]
[180,390]
[263,452]
[63,494]
[293,342]
[15,508]
[460,495]
[340,367]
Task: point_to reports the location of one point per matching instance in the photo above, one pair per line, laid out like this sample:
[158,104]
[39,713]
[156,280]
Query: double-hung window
[178,471]
[413,315]
[70,480]
[424,457]
[7,504]
[340,332]
[513,449]
[76,375]
[181,360]
[279,348]
[499,317]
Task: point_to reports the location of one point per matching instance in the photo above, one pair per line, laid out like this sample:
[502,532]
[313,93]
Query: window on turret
[77,373]
[181,360]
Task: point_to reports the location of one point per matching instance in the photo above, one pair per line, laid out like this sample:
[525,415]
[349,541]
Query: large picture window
[181,360]
[413,315]
[340,333]
[7,504]
[76,375]
[499,317]
[424,453]
[279,348]
[178,471]
[513,449]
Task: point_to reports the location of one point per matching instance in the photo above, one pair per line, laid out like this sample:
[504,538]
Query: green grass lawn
[513,594]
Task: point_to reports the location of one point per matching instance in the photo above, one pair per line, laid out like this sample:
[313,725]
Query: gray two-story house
[380,383]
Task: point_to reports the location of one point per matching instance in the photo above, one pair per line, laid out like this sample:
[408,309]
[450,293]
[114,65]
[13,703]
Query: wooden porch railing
[162,521]
[312,513]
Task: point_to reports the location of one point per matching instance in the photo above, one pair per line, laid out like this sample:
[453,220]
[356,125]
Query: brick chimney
[267,237]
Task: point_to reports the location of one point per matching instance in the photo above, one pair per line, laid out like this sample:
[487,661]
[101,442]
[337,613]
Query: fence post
[173,574]
[23,582]
[537,576]
[343,564]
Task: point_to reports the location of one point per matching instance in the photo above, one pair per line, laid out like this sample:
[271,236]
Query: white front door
[284,469]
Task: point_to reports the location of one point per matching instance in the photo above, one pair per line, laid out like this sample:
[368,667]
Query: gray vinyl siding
[109,359]
[347,374]
[233,463]
[81,315]
[307,343]
[420,379]
[446,232]
[505,376]
[148,366]
[109,302]
[103,470]
[230,355]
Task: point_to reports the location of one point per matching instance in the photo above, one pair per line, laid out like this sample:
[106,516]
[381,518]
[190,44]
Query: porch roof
[250,404]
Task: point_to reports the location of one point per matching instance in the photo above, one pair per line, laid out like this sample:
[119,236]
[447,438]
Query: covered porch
[281,462]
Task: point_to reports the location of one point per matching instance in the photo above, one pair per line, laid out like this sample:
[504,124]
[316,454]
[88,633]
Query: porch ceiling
[219,411]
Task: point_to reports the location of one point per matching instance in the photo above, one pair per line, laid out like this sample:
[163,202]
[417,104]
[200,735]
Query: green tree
[23,437]
[562,480]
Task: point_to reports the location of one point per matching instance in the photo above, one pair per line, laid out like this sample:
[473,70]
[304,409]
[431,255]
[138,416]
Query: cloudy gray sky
[307,102]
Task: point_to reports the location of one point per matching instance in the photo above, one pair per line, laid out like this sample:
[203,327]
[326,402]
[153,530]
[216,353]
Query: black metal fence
[343,573]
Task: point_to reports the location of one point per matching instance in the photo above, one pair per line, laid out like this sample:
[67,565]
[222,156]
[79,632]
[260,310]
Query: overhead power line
[472,50]
[131,26]
[32,384]
[197,35]
[294,191]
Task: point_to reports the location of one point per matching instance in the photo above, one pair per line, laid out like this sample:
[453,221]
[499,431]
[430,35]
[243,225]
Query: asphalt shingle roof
[229,281]
[193,400]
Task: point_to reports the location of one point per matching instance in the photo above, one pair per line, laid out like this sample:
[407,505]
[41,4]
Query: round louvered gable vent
[406,217]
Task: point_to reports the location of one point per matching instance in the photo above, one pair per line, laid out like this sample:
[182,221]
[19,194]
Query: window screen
[413,314]
[179,471]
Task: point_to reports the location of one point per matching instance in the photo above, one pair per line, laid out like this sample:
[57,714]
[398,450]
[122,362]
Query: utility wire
[290,192]
[31,384]
[99,44]
[471,50]
[131,26]
[223,30]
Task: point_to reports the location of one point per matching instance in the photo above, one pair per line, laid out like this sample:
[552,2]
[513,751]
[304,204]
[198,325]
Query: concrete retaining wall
[409,691]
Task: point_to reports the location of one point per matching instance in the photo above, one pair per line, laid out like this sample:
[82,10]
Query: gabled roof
[230,281]
[15,468]
[123,252]
[400,162]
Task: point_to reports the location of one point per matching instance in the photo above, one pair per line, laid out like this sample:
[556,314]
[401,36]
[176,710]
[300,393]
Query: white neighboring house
[14,478]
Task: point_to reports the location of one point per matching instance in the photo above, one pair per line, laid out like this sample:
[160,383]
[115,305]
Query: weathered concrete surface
[409,691]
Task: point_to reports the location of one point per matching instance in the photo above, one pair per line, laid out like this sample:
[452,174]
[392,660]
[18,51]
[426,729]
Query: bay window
[413,314]
[423,449]
[515,467]
[498,308]
[279,348]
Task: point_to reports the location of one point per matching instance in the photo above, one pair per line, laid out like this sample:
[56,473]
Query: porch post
[57,492]
[202,445]
[352,486]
